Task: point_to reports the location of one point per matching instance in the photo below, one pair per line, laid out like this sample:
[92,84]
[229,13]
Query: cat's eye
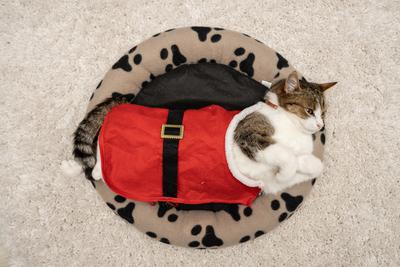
[310,111]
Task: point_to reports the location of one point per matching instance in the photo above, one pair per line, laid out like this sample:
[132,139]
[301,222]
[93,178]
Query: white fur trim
[266,83]
[229,141]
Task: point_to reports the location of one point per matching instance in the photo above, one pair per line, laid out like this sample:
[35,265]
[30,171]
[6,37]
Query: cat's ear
[292,82]
[326,86]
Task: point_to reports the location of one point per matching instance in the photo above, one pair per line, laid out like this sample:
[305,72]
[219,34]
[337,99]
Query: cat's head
[304,100]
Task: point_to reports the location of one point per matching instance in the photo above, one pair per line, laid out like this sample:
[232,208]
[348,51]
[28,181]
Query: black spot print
[233,64]
[202,32]
[177,57]
[116,96]
[168,68]
[97,87]
[91,97]
[123,63]
[219,29]
[282,62]
[258,233]
[172,217]
[194,244]
[93,184]
[291,202]
[213,61]
[276,75]
[210,239]
[247,211]
[313,181]
[163,208]
[132,49]
[119,198]
[322,129]
[137,59]
[244,239]
[163,53]
[275,205]
[202,60]
[322,138]
[157,34]
[239,51]
[283,217]
[231,209]
[196,229]
[151,234]
[164,240]
[126,213]
[111,206]
[313,137]
[144,84]
[170,30]
[216,38]
[247,65]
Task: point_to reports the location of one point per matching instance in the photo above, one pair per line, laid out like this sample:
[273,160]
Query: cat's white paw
[310,165]
[287,170]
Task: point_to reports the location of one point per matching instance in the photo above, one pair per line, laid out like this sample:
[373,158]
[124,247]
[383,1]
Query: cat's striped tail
[85,136]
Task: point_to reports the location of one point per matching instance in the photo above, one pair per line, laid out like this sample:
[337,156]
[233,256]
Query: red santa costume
[155,154]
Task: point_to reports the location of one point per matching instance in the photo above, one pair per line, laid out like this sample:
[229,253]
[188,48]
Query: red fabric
[131,155]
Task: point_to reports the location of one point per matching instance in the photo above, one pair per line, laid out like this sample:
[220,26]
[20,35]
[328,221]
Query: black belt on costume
[171,132]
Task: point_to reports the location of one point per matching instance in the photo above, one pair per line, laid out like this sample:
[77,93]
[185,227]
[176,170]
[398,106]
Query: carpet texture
[53,54]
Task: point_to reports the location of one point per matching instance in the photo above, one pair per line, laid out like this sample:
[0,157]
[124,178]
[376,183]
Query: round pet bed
[201,226]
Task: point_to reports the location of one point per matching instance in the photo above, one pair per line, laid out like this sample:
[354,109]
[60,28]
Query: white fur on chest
[286,132]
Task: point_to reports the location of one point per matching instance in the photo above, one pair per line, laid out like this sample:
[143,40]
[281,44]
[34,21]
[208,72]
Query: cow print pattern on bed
[231,209]
[245,62]
[285,206]
[176,225]
[177,57]
[208,240]
[123,63]
[202,33]
[126,212]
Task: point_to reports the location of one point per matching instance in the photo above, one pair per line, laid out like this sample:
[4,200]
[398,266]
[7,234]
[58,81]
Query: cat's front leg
[280,157]
[309,165]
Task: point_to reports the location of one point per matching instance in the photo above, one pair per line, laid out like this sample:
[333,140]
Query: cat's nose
[319,125]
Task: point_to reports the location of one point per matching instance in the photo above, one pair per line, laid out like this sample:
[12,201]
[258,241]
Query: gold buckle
[171,136]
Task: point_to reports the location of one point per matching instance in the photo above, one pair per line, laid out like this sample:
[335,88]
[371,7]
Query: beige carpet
[53,54]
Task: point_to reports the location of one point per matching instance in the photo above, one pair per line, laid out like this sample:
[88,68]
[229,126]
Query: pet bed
[195,67]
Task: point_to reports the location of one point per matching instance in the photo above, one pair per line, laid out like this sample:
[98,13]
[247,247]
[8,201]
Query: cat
[257,127]
[274,144]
